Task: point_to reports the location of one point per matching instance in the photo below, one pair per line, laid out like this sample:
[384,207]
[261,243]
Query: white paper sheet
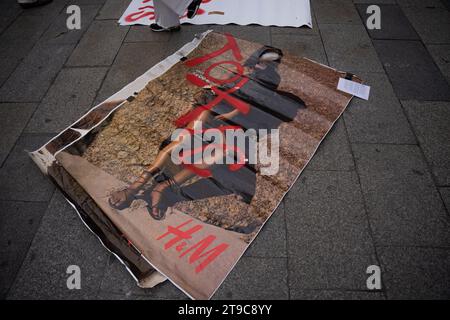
[283,13]
[354,88]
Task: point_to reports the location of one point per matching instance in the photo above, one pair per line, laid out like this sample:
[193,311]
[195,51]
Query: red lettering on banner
[142,13]
[198,248]
[149,11]
[134,16]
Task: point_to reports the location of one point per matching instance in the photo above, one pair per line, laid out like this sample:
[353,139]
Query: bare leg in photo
[158,209]
[122,198]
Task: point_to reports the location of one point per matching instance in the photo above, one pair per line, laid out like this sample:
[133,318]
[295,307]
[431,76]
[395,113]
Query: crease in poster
[179,171]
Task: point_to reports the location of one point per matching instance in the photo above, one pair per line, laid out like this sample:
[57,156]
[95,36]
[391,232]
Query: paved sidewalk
[377,191]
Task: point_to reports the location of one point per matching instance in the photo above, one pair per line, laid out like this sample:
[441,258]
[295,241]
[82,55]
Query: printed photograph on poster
[174,217]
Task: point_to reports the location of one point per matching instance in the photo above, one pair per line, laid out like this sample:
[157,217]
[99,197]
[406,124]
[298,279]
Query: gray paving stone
[394,24]
[132,51]
[26,27]
[420,3]
[8,62]
[58,31]
[377,1]
[381,118]
[329,242]
[303,46]
[441,55]
[271,241]
[10,8]
[122,296]
[5,22]
[431,23]
[119,282]
[445,194]
[416,273]
[143,33]
[49,11]
[17,40]
[446,4]
[348,48]
[246,280]
[434,34]
[404,206]
[325,210]
[87,1]
[330,270]
[113,9]
[64,103]
[13,117]
[257,34]
[334,152]
[31,80]
[430,122]
[61,240]
[19,223]
[412,71]
[187,34]
[132,61]
[21,179]
[99,45]
[335,11]
[9,11]
[335,295]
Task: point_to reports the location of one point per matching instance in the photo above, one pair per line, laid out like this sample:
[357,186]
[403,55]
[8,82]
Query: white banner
[282,13]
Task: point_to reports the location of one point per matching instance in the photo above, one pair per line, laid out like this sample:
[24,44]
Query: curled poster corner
[152,280]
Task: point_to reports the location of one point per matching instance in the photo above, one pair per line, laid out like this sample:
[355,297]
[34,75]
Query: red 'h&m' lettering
[179,234]
[199,247]
[210,254]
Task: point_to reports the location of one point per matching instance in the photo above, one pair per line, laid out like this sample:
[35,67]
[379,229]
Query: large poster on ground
[283,13]
[179,171]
